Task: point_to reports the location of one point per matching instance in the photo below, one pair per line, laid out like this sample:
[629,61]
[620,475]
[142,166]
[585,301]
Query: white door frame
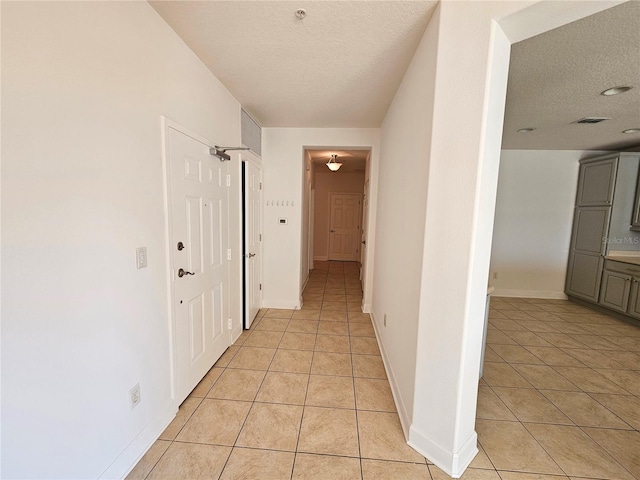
[166,124]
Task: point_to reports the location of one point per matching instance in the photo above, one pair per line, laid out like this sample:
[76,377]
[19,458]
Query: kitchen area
[604,259]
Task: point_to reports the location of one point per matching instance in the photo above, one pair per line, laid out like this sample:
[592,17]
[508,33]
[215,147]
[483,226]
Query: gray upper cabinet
[590,228]
[596,182]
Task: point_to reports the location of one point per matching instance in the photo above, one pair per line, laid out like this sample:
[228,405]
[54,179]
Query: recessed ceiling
[353,161]
[340,66]
[556,78]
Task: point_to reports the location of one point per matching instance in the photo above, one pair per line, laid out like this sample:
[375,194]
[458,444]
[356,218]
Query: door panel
[583,278]
[590,229]
[615,290]
[596,182]
[344,223]
[252,233]
[194,234]
[199,201]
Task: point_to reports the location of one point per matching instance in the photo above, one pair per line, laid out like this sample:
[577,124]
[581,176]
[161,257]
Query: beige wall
[326,183]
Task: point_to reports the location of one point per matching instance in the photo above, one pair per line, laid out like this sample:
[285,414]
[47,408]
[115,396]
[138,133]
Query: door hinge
[228,254]
[229,325]
[260,238]
[260,286]
[228,180]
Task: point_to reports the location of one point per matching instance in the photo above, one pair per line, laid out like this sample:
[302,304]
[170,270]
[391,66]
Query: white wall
[327,183]
[83,87]
[470,89]
[402,195]
[283,159]
[532,229]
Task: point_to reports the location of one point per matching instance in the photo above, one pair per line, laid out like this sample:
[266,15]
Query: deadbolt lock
[180,246]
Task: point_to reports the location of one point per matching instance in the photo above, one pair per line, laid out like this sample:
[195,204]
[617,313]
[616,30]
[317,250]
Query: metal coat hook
[221,152]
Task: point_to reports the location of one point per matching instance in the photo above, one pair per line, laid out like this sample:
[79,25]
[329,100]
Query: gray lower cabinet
[615,290]
[634,298]
[583,276]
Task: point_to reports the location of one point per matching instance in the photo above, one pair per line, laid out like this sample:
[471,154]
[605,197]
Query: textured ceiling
[338,67]
[556,78]
[341,65]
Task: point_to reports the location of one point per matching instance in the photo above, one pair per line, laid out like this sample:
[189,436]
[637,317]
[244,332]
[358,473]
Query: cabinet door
[635,216]
[590,229]
[634,298]
[615,289]
[596,182]
[583,276]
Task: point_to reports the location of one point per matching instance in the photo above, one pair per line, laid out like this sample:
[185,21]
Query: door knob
[332,231]
[182,272]
[364,242]
[251,255]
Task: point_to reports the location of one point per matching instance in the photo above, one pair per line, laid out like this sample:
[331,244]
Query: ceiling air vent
[592,120]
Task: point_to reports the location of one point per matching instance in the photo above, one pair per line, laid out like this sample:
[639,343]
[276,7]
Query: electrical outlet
[385,320]
[134,396]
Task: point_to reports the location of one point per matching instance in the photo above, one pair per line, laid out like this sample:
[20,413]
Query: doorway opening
[251,193]
[335,208]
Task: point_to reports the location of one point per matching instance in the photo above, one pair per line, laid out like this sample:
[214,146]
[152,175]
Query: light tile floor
[304,395]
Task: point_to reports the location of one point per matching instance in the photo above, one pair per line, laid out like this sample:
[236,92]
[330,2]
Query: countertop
[634,260]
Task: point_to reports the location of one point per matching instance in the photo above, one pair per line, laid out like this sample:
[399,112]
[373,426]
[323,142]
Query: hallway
[304,395]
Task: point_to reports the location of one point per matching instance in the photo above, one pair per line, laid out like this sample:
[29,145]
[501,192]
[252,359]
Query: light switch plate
[141,257]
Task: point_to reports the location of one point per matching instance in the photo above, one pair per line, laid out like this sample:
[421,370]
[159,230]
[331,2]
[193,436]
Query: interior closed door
[344,226]
[198,201]
[252,240]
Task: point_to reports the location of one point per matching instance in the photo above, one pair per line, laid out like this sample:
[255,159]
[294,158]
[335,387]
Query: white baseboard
[323,258]
[452,463]
[549,295]
[366,308]
[403,414]
[133,452]
[289,304]
[236,332]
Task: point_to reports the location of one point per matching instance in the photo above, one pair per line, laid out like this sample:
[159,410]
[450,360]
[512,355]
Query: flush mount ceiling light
[526,130]
[615,91]
[333,163]
[632,130]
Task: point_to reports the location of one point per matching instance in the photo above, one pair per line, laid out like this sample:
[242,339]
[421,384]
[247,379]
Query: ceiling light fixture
[301,13]
[615,91]
[333,163]
[632,130]
[526,130]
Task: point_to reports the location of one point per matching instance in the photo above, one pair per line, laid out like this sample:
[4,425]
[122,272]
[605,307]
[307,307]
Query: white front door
[198,232]
[344,226]
[252,238]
